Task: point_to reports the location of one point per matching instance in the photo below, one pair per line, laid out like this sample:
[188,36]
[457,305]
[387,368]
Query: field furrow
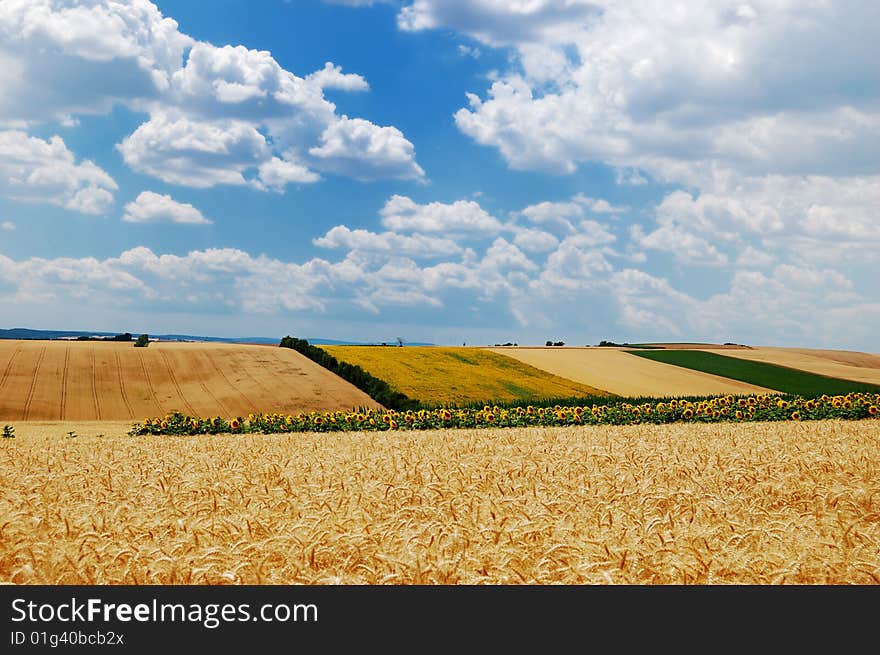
[47,392]
[89,380]
[33,385]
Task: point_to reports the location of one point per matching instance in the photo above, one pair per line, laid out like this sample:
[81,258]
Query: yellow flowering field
[449,375]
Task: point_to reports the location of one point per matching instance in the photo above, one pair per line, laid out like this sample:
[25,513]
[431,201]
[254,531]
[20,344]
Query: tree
[549,343]
[399,341]
[142,341]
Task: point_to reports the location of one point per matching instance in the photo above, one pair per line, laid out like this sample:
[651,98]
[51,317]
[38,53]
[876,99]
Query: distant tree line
[554,343]
[374,387]
[119,337]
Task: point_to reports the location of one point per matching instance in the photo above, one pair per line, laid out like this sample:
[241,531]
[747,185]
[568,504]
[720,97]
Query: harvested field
[443,375]
[759,503]
[625,374]
[843,364]
[93,380]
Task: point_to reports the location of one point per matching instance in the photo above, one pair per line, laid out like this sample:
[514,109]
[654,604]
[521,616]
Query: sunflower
[795,416]
[392,424]
[873,410]
[739,415]
[234,424]
[687,414]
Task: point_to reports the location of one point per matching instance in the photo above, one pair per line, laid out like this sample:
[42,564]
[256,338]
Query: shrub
[377,389]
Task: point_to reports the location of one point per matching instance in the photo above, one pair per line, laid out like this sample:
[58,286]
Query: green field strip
[770,376]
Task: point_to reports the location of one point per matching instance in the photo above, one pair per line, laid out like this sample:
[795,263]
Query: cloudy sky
[449,171]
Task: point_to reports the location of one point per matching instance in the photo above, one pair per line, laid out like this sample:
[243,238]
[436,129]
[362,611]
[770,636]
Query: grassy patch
[457,376]
[770,376]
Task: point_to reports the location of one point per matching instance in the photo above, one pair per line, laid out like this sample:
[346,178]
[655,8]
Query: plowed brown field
[844,364]
[627,375]
[94,381]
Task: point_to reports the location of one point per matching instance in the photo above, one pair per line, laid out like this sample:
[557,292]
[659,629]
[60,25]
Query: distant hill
[27,333]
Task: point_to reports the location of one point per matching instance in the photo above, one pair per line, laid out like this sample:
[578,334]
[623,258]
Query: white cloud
[193,153]
[807,220]
[535,241]
[36,171]
[332,77]
[217,114]
[766,87]
[364,151]
[150,207]
[277,173]
[8,226]
[387,242]
[499,22]
[404,214]
[683,244]
[61,58]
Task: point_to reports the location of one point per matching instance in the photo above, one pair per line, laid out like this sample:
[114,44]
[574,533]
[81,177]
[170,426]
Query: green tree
[142,341]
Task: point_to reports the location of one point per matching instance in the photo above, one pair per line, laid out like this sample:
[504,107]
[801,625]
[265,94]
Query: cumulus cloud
[500,22]
[7,226]
[150,207]
[365,151]
[217,114]
[402,213]
[332,77]
[194,153]
[387,242]
[34,170]
[63,58]
[765,87]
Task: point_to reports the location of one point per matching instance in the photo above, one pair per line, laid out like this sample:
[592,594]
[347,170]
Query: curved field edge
[89,380]
[438,375]
[773,376]
[842,364]
[763,503]
[619,372]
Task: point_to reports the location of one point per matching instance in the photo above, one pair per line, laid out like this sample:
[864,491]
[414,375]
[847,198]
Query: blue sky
[452,171]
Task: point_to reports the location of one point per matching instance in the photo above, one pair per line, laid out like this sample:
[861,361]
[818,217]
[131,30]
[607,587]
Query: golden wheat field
[758,503]
[94,381]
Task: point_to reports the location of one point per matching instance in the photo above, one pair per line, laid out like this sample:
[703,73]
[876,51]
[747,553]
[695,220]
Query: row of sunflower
[723,408]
